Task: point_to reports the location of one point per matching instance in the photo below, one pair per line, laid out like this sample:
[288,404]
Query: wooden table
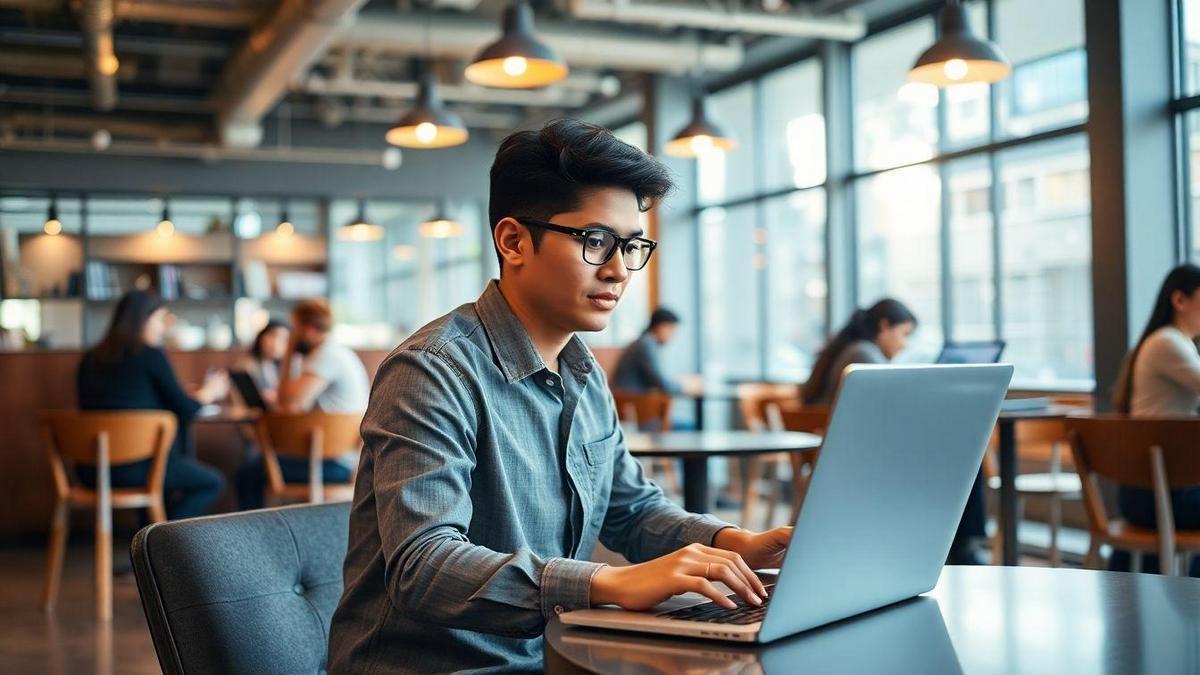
[1008,470]
[977,620]
[695,447]
[227,415]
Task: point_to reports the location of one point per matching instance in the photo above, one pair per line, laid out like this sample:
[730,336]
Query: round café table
[695,447]
[977,620]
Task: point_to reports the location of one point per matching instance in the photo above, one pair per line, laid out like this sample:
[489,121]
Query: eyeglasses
[600,245]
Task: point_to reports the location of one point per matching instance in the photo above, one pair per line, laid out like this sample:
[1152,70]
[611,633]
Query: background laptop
[247,388]
[987,351]
[900,456]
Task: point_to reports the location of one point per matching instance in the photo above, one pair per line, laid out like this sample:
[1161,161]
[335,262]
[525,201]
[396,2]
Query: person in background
[265,360]
[331,379]
[1161,378]
[127,370]
[874,335]
[640,367]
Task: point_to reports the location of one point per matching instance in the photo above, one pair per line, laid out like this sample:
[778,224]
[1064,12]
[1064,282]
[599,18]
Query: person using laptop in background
[331,379]
[1161,378]
[493,462]
[640,367]
[874,335]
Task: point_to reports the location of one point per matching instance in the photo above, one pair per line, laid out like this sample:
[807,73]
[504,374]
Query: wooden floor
[70,639]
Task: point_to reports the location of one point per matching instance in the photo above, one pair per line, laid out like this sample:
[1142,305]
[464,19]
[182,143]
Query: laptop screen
[971,352]
[248,389]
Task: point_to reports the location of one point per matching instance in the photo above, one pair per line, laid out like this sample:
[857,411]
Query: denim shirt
[485,481]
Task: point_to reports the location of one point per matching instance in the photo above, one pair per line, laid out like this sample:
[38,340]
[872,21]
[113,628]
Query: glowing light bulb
[109,65]
[515,66]
[427,132]
[701,144]
[165,228]
[52,227]
[955,69]
[285,229]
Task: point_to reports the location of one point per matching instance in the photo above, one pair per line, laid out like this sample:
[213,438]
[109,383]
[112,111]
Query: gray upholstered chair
[243,593]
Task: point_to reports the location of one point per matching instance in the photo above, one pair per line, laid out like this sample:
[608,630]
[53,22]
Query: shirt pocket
[602,451]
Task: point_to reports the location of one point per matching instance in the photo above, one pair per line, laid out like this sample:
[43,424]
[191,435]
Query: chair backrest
[755,397]
[649,410]
[293,434]
[812,419]
[133,435]
[1117,447]
[250,592]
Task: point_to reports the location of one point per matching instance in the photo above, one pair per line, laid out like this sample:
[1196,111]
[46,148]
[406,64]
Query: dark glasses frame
[618,241]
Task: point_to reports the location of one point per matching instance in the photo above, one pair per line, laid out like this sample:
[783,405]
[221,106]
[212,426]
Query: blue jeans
[252,477]
[190,487]
[1137,506]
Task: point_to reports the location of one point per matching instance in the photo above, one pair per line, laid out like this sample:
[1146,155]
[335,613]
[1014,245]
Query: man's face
[566,292]
[664,332]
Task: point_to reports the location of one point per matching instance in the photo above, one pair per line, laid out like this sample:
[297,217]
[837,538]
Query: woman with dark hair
[264,363]
[127,370]
[873,335]
[1161,378]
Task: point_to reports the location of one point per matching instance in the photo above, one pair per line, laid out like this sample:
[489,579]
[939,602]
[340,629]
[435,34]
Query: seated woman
[264,363]
[877,335]
[1161,378]
[127,370]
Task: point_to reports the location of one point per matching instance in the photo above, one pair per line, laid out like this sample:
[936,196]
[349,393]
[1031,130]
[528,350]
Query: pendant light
[958,56]
[441,225]
[428,125]
[518,60]
[360,229]
[53,225]
[165,227]
[285,228]
[700,136]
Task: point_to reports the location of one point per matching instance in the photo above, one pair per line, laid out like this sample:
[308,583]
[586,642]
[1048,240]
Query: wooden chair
[1055,485]
[1154,454]
[761,475]
[812,420]
[102,439]
[652,409]
[312,437]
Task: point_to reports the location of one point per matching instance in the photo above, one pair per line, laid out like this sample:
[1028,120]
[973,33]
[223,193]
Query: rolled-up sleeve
[420,429]
[641,523]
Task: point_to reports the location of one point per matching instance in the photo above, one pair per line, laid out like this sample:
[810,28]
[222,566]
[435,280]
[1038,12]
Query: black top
[640,368]
[142,380]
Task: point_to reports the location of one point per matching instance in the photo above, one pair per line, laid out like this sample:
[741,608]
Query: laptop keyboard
[710,612]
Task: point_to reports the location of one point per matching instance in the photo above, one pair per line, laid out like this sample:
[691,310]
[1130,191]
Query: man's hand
[692,568]
[758,549]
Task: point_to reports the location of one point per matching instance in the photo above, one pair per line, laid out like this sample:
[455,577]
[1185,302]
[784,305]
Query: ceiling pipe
[844,28]
[100,60]
[209,153]
[82,124]
[317,85]
[459,37]
[274,55]
[210,16]
[54,65]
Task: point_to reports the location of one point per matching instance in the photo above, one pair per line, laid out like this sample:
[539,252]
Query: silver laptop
[898,461]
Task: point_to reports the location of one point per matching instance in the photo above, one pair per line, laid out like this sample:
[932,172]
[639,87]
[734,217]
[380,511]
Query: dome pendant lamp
[518,60]
[958,56]
[700,136]
[428,125]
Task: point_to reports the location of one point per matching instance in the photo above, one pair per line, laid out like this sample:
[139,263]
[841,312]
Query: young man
[640,367]
[493,461]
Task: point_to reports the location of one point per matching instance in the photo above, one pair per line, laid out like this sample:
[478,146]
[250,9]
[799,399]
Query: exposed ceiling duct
[212,153]
[81,124]
[53,65]
[164,11]
[459,37]
[462,93]
[845,28]
[274,55]
[99,57]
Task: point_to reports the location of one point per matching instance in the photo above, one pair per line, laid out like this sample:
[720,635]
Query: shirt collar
[510,341]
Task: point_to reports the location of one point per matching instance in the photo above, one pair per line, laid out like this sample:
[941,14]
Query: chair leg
[750,479]
[103,562]
[158,512]
[1055,523]
[773,493]
[59,524]
[1135,564]
[1092,560]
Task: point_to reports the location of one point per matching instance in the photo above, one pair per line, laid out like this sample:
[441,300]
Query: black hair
[662,315]
[256,346]
[540,174]
[1183,279]
[124,334]
[863,325]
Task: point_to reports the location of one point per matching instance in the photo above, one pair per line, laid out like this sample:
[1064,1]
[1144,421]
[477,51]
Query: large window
[1189,118]
[990,243]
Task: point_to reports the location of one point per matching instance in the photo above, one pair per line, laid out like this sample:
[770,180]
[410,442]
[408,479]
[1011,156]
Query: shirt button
[558,609]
